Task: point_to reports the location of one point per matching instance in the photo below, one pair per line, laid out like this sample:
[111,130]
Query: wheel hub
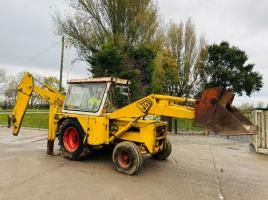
[71,139]
[124,159]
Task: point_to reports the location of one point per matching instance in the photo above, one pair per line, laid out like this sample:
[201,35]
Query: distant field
[28,110]
[40,120]
[31,120]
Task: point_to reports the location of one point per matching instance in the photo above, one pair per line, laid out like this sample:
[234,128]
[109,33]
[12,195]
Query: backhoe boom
[25,89]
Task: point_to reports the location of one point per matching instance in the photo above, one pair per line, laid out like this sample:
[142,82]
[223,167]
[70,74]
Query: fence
[185,126]
[259,117]
[260,141]
[241,138]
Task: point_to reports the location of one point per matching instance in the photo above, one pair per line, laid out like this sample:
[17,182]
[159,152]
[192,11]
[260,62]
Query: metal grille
[160,131]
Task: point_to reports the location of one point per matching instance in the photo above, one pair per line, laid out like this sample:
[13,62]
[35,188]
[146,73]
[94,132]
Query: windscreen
[86,97]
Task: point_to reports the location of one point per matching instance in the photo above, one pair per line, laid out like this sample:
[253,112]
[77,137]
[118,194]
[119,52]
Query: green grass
[28,110]
[31,120]
[40,120]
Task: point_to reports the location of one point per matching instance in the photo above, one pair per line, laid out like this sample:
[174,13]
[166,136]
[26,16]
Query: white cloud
[241,22]
[27,29]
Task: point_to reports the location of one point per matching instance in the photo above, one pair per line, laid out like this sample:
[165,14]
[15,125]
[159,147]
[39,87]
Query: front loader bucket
[214,111]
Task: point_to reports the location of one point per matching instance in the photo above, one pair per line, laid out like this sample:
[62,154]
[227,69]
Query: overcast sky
[28,40]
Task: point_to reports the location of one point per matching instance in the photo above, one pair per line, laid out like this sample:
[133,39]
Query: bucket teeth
[214,111]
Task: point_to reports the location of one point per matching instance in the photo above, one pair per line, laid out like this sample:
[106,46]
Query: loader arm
[158,105]
[26,88]
[213,111]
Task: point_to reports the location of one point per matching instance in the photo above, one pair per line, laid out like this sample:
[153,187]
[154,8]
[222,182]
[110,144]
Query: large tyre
[71,137]
[162,155]
[127,158]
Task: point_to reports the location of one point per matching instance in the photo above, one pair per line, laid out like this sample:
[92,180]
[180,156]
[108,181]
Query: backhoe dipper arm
[158,105]
[26,87]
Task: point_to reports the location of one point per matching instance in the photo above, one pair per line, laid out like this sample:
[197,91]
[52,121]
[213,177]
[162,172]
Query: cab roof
[100,80]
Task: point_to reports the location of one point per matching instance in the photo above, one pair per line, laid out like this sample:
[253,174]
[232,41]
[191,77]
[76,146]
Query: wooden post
[206,132]
[176,126]
[61,63]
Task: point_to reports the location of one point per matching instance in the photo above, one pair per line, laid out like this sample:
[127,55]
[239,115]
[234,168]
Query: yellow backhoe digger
[97,112]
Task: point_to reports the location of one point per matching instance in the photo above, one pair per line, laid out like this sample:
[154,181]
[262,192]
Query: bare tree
[247,109]
[2,75]
[2,80]
[10,91]
[2,86]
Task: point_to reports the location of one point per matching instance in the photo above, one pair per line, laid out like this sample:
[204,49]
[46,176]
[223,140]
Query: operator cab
[96,96]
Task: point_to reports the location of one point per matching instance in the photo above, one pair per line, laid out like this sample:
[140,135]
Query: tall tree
[115,37]
[227,67]
[190,54]
[123,23]
[165,75]
[137,66]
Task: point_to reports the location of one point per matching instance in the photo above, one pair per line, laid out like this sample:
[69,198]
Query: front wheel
[163,155]
[127,158]
[71,136]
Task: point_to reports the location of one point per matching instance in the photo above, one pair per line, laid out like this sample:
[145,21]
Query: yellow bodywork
[126,123]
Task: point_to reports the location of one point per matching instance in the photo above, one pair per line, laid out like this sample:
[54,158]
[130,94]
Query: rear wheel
[71,137]
[127,158]
[162,155]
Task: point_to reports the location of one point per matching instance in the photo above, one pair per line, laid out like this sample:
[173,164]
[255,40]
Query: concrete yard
[200,167]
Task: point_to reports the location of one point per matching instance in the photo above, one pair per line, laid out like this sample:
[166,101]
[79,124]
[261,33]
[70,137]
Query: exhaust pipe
[214,111]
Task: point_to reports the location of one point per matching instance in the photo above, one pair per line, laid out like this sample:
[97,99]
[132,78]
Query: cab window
[118,97]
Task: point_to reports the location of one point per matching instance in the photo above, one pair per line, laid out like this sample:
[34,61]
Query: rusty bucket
[214,111]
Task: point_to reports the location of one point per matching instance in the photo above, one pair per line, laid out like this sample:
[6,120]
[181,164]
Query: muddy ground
[200,167]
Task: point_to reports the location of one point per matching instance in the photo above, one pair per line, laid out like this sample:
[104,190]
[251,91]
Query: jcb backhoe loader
[97,112]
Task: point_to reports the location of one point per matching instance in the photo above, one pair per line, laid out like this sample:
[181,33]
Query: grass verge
[31,120]
[40,120]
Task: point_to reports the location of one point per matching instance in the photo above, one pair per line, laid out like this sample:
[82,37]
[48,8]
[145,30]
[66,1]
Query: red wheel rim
[71,139]
[124,159]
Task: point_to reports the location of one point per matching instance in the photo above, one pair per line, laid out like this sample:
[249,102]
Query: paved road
[200,168]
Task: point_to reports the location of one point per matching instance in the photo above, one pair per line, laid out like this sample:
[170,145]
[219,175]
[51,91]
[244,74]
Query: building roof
[101,79]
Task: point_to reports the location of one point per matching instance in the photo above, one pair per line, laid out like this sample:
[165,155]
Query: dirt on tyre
[127,158]
[163,155]
[71,137]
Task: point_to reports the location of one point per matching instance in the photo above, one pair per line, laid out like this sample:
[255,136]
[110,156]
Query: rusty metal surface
[214,111]
[102,79]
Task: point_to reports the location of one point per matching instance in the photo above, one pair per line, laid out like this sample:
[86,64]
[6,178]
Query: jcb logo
[145,105]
